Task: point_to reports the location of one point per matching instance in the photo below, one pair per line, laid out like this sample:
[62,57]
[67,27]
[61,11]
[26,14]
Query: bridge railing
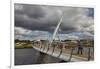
[71,48]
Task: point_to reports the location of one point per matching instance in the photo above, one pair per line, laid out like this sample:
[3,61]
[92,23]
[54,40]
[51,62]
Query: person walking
[80,49]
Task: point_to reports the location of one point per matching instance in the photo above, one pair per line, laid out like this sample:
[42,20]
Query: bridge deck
[65,54]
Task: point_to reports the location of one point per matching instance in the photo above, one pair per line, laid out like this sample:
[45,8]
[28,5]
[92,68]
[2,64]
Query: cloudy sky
[34,22]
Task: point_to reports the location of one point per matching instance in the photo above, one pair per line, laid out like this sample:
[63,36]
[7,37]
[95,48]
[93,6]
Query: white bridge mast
[57,28]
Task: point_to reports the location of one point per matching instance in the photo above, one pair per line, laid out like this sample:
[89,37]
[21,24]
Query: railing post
[89,56]
[71,54]
[47,49]
[53,49]
[44,47]
[60,53]
[41,47]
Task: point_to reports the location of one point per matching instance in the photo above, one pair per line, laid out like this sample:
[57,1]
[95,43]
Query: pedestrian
[80,49]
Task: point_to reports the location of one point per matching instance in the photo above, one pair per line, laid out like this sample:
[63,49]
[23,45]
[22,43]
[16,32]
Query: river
[32,56]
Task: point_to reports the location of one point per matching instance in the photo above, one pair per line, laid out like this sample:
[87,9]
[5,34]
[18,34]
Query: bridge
[68,52]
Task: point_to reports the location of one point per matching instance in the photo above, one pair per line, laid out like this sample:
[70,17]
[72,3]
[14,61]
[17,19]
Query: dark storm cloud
[91,12]
[34,18]
[45,18]
[31,11]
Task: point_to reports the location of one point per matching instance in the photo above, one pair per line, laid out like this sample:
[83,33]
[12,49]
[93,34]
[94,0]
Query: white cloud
[21,31]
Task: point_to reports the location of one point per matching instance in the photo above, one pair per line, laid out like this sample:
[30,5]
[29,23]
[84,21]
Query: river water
[32,56]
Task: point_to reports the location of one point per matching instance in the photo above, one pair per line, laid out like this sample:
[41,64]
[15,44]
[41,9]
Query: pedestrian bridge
[66,53]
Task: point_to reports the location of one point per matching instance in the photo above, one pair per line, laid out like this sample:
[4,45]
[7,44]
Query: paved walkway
[65,54]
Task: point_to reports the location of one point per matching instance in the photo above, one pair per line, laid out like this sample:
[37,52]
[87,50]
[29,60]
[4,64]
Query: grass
[23,45]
